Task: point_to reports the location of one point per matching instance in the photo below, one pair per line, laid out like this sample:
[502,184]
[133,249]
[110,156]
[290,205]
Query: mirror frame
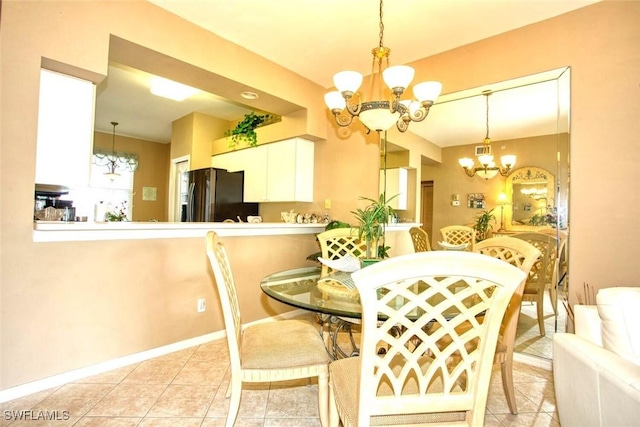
[523,175]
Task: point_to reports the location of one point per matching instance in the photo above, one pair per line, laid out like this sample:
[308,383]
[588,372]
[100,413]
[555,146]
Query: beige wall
[69,305]
[153,171]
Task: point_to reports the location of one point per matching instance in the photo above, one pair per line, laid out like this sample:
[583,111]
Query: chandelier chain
[487,136]
[381,35]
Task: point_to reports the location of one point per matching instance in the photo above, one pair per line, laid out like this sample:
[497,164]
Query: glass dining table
[337,307]
[335,301]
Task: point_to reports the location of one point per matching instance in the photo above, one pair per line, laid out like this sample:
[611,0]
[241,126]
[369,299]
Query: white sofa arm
[575,380]
[594,387]
[587,323]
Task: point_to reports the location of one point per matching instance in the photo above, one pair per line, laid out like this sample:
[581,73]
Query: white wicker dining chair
[420,239]
[404,385]
[458,235]
[338,242]
[543,275]
[265,352]
[522,255]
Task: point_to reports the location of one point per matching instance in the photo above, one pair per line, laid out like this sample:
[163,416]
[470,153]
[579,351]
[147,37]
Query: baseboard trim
[99,368]
[535,361]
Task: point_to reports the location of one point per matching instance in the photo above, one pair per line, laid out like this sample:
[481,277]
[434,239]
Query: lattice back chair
[563,247]
[522,255]
[267,352]
[420,239]
[543,274]
[458,235]
[404,385]
[339,242]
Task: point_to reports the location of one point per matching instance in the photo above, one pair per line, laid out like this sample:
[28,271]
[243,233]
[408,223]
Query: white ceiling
[318,38]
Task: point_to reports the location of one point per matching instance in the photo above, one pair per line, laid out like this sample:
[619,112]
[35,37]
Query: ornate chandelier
[487,168]
[115,161]
[379,112]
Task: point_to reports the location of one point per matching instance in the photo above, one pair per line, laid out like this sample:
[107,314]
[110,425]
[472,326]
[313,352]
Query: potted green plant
[484,223]
[372,223]
[245,130]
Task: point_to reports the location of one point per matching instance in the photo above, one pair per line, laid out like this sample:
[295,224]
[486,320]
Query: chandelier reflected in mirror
[114,161]
[487,168]
[381,109]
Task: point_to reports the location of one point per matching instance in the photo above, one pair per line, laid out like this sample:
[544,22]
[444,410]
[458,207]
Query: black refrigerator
[216,195]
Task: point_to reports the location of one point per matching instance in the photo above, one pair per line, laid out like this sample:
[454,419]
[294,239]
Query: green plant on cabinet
[245,130]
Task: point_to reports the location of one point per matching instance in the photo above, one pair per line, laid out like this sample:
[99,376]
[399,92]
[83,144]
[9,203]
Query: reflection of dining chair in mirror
[420,239]
[266,352]
[459,235]
[543,274]
[563,264]
[522,255]
[337,243]
[407,384]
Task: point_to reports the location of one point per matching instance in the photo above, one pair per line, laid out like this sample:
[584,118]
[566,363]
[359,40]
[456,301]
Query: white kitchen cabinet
[277,172]
[65,130]
[397,183]
[232,161]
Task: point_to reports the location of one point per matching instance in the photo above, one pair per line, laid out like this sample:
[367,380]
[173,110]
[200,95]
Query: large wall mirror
[529,118]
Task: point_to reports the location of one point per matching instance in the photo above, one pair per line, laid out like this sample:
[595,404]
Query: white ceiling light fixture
[379,112]
[487,168]
[249,95]
[172,90]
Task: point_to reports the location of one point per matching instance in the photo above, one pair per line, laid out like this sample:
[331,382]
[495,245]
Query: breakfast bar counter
[59,231]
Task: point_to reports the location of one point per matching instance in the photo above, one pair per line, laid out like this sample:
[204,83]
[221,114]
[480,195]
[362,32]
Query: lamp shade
[347,81]
[487,174]
[398,76]
[508,160]
[379,119]
[427,91]
[485,160]
[335,100]
[466,162]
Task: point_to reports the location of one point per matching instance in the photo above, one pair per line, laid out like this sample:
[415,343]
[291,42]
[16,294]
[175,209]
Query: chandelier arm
[504,171]
[470,172]
[354,109]
[402,124]
[343,120]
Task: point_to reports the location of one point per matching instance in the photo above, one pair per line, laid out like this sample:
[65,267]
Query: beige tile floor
[187,388]
[528,338]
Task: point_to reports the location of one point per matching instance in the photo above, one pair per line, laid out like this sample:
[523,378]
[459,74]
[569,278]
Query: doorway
[178,184]
[426,207]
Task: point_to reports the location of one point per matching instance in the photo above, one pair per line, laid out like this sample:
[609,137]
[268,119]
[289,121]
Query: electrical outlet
[202,305]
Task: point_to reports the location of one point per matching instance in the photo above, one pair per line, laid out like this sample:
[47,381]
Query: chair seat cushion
[344,375]
[284,339]
[619,310]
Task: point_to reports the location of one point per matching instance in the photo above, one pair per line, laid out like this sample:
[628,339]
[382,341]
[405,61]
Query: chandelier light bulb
[347,81]
[398,78]
[335,101]
[427,91]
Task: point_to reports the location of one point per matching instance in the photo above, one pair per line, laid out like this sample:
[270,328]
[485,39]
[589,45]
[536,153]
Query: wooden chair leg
[507,384]
[334,418]
[323,399]
[540,310]
[235,388]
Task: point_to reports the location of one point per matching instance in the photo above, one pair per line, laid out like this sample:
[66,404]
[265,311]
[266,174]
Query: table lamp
[502,200]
